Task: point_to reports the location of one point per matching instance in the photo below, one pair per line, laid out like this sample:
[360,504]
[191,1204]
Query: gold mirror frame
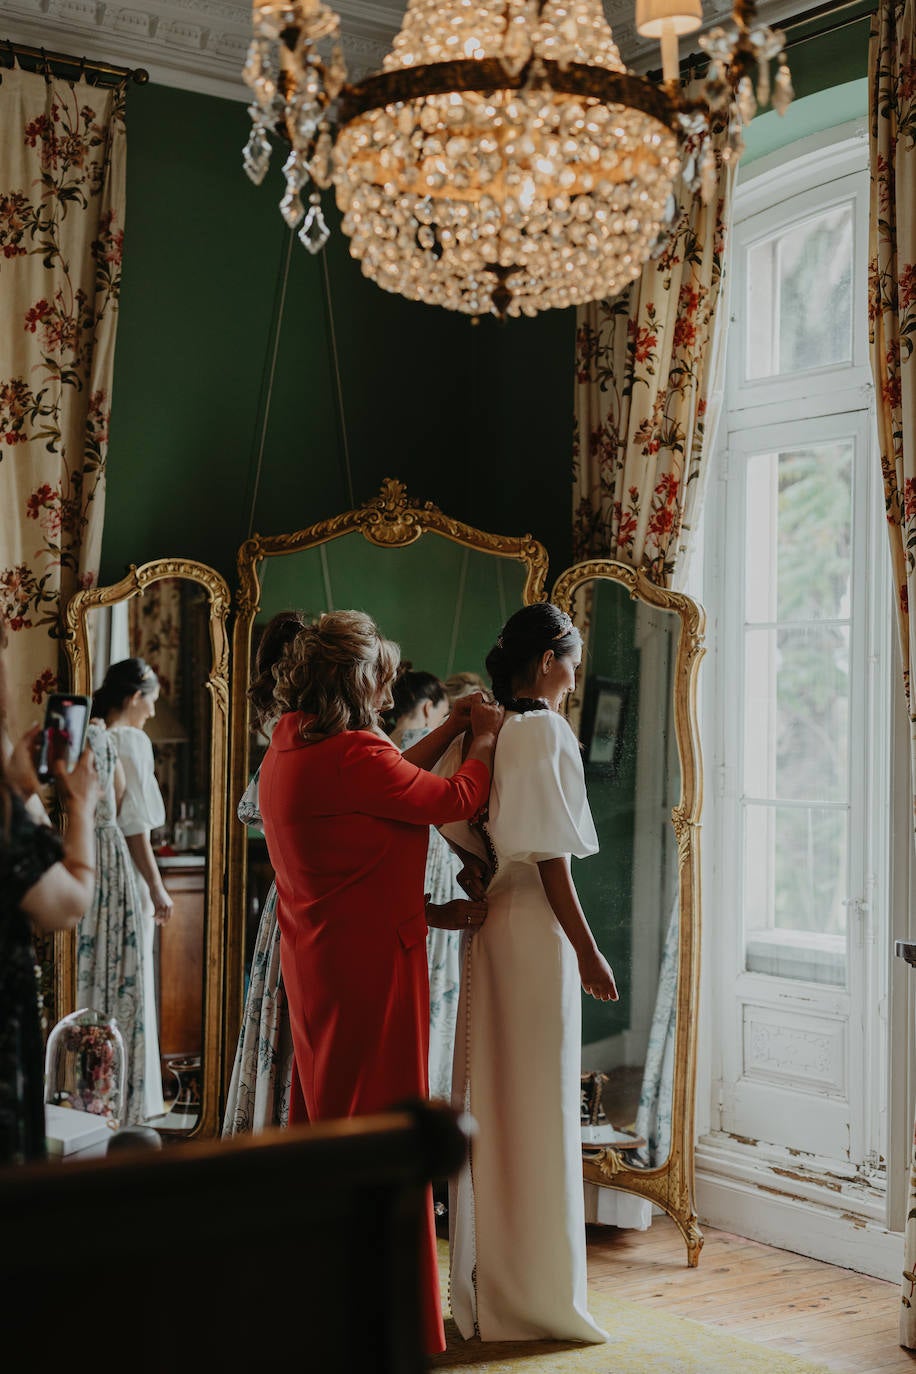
[77,649]
[389,520]
[670,1185]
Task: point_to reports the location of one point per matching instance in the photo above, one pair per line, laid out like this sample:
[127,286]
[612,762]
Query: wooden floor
[844,1320]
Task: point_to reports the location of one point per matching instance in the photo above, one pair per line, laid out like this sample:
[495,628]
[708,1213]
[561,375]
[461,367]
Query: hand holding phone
[63,735]
[20,765]
[78,786]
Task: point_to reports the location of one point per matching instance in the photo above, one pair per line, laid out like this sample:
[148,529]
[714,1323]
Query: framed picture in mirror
[605,723]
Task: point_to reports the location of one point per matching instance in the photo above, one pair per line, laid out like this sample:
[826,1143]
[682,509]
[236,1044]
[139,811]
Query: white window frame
[847,1123]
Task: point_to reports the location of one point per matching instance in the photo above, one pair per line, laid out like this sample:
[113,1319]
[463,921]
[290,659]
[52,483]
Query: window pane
[795,890]
[799,296]
[799,533]
[796,737]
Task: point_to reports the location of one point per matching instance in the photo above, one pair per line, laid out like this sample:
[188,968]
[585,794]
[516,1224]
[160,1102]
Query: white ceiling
[200,45]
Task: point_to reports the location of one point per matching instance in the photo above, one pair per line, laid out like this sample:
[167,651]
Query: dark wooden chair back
[296,1248]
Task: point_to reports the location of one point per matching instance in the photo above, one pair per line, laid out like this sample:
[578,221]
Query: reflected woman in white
[125,701]
[516,1211]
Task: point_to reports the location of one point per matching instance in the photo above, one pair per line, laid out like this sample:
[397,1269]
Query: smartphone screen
[64,733]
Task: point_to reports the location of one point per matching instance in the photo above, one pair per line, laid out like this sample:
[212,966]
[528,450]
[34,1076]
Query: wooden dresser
[181,956]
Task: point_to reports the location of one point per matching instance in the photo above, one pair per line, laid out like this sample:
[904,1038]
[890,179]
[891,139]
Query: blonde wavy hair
[336,670]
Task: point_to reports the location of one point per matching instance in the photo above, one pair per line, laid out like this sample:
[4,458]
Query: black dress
[27,850]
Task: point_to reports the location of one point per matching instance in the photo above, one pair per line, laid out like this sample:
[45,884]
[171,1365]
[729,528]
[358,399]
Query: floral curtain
[62,198]
[648,377]
[649,374]
[892,332]
[155,634]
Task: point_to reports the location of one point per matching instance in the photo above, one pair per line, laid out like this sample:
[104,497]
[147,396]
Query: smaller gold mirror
[172,614]
[634,712]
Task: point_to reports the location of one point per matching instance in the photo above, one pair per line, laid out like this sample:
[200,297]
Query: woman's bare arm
[64,891]
[142,854]
[594,970]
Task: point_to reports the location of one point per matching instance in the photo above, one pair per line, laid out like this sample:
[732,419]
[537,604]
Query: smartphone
[63,735]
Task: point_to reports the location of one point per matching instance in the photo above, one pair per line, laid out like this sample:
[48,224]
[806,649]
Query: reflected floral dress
[443,955]
[109,956]
[261,1074]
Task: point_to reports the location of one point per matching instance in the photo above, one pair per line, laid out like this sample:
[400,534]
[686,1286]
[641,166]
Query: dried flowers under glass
[85,1066]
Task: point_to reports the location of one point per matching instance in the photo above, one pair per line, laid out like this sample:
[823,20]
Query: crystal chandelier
[504,161]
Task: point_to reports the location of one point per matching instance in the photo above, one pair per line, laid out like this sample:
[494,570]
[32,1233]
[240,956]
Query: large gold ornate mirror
[634,712]
[171,613]
[440,588]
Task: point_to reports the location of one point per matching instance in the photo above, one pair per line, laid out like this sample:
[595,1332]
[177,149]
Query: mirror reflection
[623,714]
[140,950]
[443,603]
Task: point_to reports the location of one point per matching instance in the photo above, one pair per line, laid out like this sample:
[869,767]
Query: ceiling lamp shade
[504,160]
[668,20]
[684,16]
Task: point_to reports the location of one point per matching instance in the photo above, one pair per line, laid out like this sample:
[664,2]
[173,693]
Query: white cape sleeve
[142,807]
[538,804]
[459,832]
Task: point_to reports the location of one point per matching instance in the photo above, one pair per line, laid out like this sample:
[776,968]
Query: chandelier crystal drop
[504,160]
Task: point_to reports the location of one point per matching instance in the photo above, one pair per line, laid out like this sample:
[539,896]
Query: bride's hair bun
[526,635]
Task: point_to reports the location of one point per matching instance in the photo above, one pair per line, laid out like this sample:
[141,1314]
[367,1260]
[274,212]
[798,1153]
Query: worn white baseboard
[795,1224]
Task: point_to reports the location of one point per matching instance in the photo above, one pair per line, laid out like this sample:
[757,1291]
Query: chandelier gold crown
[504,160]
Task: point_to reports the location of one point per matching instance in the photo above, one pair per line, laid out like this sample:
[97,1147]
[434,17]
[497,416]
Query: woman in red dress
[346,817]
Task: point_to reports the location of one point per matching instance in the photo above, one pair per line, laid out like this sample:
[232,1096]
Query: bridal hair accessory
[566,627]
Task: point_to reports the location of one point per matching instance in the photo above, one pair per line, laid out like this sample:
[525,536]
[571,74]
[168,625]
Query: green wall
[442,603]
[475,418]
[829,75]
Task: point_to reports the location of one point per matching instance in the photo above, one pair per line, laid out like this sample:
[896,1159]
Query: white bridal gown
[516,1210]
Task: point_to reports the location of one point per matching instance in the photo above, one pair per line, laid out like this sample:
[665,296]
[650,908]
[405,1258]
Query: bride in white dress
[516,1210]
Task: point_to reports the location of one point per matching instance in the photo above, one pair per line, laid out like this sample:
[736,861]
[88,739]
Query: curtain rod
[697,62]
[825,11]
[86,67]
[830,7]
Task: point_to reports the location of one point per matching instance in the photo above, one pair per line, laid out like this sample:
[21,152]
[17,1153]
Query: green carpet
[643,1340]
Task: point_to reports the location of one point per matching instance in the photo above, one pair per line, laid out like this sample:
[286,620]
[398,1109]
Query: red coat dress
[347,827]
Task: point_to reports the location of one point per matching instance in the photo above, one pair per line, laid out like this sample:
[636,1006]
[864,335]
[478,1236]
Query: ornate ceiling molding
[194,45]
[200,45]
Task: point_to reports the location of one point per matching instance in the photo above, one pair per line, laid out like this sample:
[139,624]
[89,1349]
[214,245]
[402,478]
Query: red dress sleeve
[388,785]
